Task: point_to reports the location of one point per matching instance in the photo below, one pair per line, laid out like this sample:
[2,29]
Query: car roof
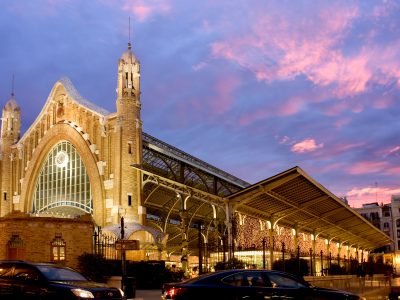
[224,273]
[25,262]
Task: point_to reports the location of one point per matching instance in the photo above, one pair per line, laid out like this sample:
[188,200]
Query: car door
[286,287]
[6,286]
[28,283]
[246,285]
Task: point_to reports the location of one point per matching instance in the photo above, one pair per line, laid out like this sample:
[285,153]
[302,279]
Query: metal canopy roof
[294,199]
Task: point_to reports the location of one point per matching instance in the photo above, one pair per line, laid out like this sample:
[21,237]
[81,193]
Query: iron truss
[182,192]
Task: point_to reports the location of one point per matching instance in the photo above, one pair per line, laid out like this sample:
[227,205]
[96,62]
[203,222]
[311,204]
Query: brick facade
[37,233]
[107,143]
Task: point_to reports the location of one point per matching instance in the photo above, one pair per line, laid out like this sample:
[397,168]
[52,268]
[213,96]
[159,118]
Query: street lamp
[123,254]
[263,245]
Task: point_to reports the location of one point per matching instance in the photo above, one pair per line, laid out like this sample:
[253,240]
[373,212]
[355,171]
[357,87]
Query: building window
[386,225]
[58,247]
[62,181]
[129,200]
[398,222]
[387,214]
[129,148]
[5,195]
[374,216]
[16,248]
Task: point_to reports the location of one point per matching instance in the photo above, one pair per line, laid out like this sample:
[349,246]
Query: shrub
[295,266]
[94,266]
[232,263]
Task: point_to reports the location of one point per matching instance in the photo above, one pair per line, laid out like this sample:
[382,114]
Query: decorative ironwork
[104,244]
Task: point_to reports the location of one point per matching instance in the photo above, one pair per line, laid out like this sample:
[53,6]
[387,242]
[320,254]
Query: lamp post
[283,256]
[322,264]
[123,257]
[263,245]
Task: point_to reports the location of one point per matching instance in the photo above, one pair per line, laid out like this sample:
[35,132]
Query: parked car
[250,284]
[25,280]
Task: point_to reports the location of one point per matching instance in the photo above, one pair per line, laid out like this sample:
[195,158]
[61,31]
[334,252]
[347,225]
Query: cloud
[285,45]
[49,8]
[284,140]
[224,93]
[385,8]
[367,167]
[360,195]
[200,66]
[143,10]
[394,151]
[383,102]
[342,122]
[291,107]
[308,145]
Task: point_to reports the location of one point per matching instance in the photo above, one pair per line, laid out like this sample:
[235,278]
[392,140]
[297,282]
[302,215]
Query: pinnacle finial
[129,34]
[12,86]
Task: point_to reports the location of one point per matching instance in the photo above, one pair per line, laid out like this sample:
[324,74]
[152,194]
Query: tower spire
[12,86]
[129,37]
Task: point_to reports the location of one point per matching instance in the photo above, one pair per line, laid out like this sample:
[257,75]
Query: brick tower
[10,134]
[128,146]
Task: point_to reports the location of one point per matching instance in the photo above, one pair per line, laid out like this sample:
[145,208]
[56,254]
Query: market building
[81,178]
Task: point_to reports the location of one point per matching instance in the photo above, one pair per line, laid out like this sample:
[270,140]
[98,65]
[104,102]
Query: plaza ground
[376,288]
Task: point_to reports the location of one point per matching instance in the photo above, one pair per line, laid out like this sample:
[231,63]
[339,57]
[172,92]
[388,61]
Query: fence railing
[370,287]
[104,244]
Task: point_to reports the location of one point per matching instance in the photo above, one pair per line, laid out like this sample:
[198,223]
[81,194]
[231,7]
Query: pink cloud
[393,170]
[342,122]
[359,195]
[259,114]
[333,150]
[284,140]
[330,167]
[308,145]
[367,167]
[224,89]
[394,151]
[291,107]
[338,148]
[143,10]
[44,7]
[281,46]
[383,102]
[200,66]
[384,8]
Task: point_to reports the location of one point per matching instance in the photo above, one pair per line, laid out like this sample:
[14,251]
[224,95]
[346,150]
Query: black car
[24,280]
[250,284]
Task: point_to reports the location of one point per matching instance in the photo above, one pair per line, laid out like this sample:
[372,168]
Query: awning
[292,198]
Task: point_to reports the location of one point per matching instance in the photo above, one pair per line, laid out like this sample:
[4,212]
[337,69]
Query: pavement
[156,295]
[147,295]
[378,294]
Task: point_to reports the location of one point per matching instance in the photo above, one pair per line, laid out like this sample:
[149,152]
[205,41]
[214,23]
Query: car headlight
[82,293]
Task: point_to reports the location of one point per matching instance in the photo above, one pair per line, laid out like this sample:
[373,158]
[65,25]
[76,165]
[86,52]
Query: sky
[253,87]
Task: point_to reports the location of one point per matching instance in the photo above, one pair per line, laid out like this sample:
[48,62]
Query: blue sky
[253,87]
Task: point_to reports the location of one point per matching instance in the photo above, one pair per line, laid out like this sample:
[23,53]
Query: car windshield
[54,273]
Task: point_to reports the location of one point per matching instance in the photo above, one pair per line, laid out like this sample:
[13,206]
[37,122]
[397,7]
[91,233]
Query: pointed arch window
[62,181]
[58,249]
